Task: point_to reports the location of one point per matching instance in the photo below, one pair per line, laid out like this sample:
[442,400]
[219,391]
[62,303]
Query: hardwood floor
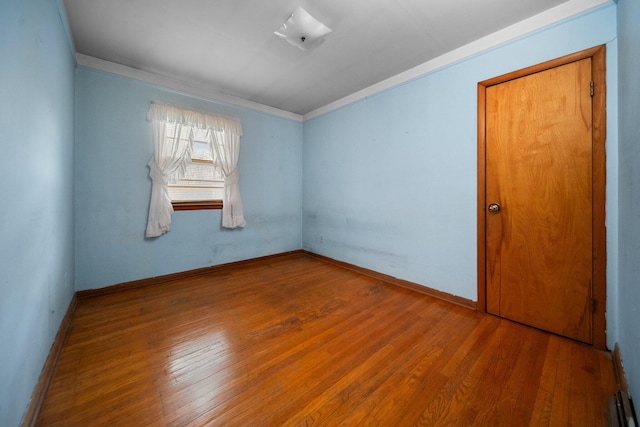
[296,341]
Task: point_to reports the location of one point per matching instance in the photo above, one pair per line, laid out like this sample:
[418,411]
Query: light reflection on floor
[197,371]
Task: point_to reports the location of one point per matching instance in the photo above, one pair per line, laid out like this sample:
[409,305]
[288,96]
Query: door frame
[599,274]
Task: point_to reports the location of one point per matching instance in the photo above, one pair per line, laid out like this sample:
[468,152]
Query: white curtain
[227,147]
[172,154]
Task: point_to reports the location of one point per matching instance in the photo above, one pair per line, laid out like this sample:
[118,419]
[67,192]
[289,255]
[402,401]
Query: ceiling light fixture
[303,30]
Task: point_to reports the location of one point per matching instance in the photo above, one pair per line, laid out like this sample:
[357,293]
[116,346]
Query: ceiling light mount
[303,30]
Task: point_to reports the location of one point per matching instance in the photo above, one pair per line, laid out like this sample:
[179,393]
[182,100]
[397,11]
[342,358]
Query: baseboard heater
[621,411]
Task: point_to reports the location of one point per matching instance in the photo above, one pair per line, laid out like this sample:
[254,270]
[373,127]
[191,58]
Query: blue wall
[390,181]
[36,189]
[113,147]
[629,134]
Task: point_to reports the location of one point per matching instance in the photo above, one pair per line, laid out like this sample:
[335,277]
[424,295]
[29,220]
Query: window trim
[194,205]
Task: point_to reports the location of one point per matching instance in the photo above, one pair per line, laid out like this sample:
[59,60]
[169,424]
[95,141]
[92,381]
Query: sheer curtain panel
[171,156]
[227,146]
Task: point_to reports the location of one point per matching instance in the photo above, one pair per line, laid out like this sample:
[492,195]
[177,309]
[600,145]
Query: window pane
[200,147]
[203,180]
[182,194]
[201,151]
[198,171]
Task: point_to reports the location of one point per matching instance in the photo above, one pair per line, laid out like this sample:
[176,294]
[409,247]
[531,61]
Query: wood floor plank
[513,406]
[298,341]
[338,357]
[411,380]
[368,394]
[452,404]
[562,404]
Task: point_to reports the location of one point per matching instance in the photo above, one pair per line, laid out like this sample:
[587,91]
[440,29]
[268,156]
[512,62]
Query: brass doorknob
[494,208]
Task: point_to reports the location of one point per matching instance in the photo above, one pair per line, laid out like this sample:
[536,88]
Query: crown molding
[535,23]
[190,89]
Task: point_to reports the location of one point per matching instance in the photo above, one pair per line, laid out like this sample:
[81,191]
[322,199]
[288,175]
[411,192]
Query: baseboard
[42,386]
[399,282]
[621,410]
[618,369]
[136,284]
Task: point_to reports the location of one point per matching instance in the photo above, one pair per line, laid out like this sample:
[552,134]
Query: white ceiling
[229,45]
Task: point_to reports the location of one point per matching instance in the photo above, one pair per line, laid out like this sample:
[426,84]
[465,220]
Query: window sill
[197,205]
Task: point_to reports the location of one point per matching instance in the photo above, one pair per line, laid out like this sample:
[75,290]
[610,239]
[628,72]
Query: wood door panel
[539,169]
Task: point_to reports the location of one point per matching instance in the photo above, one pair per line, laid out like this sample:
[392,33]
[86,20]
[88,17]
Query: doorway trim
[599,274]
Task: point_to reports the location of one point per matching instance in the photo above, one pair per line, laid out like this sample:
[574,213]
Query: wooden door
[539,217]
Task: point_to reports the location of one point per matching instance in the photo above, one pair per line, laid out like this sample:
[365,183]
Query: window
[202,186]
[192,151]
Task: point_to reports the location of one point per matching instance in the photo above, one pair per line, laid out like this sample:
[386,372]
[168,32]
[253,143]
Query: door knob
[494,208]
